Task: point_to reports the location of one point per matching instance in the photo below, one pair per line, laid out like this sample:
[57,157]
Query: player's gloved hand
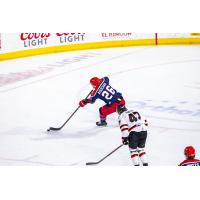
[83,102]
[125,140]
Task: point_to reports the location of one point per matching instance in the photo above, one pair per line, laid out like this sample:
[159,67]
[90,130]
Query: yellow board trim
[96,45]
[73,47]
[170,41]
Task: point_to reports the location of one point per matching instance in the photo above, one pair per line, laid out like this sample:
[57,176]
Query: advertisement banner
[126,36]
[14,42]
[22,41]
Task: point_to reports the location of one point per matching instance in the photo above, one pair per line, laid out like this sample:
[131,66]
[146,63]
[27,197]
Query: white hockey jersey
[131,120]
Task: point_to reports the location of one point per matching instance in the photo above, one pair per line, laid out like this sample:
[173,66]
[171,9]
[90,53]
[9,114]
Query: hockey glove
[83,102]
[125,140]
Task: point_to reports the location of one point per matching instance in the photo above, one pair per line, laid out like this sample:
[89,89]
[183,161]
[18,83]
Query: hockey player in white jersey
[134,133]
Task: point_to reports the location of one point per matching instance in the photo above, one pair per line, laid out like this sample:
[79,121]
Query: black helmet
[121,109]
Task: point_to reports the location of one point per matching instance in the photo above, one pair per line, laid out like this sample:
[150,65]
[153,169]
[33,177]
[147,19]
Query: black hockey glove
[125,140]
[86,100]
[83,102]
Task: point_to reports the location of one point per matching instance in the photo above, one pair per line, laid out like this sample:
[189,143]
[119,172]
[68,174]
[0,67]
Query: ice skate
[101,123]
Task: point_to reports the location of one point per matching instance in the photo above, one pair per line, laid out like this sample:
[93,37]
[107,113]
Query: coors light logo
[41,39]
[34,39]
[70,37]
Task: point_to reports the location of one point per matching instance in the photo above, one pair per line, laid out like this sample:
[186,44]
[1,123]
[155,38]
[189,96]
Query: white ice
[160,82]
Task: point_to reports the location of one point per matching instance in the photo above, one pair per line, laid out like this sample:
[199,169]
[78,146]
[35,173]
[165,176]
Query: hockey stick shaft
[95,163]
[59,128]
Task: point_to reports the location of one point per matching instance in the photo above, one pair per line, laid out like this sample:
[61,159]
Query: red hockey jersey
[190,162]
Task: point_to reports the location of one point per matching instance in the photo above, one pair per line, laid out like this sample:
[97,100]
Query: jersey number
[108,93]
[134,116]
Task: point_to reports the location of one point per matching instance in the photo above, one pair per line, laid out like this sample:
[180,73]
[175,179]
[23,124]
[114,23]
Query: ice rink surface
[163,83]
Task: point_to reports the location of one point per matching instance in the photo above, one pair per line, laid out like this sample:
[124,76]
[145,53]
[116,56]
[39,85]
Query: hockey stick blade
[92,163]
[95,163]
[53,129]
[57,129]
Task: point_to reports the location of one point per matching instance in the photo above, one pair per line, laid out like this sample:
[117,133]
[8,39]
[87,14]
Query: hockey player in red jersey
[102,90]
[134,133]
[189,153]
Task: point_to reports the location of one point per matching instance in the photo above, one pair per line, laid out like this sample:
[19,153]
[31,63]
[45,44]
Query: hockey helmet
[189,151]
[121,108]
[95,81]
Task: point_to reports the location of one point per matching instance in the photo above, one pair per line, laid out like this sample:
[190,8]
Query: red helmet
[95,81]
[189,151]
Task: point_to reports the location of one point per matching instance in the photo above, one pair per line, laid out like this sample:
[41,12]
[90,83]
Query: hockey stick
[59,128]
[95,163]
